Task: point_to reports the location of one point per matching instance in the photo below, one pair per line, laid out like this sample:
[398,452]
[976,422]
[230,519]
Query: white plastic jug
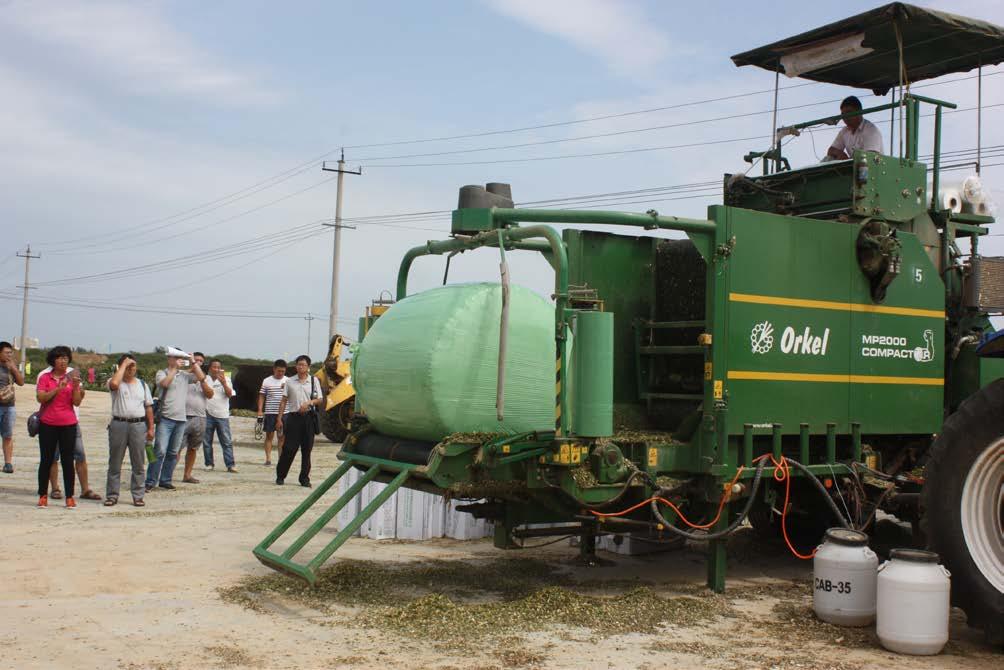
[913,603]
[844,578]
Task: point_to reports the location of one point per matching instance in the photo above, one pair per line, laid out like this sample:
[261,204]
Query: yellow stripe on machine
[836,306]
[831,378]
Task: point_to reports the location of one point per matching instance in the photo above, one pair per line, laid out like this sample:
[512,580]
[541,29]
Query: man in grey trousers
[130,429]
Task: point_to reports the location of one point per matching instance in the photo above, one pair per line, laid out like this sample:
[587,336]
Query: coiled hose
[725,531]
[754,487]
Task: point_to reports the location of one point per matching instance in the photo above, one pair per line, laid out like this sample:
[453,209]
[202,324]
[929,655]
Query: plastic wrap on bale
[428,366]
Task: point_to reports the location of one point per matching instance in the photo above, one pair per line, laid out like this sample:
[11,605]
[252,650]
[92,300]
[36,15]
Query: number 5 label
[918,275]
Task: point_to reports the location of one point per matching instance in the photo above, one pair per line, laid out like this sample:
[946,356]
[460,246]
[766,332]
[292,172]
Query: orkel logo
[804,343]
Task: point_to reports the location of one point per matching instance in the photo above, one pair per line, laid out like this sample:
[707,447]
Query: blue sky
[118,116]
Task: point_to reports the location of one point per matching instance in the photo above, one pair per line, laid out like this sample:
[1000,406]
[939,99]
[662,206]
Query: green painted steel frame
[308,571]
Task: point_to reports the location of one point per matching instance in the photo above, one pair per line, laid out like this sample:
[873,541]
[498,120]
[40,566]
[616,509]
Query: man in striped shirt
[269,398]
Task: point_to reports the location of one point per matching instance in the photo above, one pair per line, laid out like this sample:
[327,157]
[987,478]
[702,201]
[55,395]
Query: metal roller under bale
[389,448]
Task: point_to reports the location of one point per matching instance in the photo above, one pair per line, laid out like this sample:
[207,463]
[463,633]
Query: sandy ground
[140,588]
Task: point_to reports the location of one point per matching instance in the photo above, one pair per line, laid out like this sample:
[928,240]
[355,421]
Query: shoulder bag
[7,391]
[315,417]
[35,420]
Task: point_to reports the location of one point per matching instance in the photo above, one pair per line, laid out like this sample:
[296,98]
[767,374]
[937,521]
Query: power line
[567,156]
[558,124]
[200,226]
[396,220]
[429,215]
[616,152]
[123,307]
[144,227]
[261,242]
[203,280]
[616,133]
[618,115]
[300,168]
[619,133]
[197,211]
[253,244]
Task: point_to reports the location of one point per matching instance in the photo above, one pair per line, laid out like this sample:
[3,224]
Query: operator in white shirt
[857,133]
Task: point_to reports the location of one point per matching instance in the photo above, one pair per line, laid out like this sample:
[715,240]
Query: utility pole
[27,256]
[333,312]
[308,319]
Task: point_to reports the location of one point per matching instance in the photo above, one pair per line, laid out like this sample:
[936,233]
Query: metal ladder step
[308,571]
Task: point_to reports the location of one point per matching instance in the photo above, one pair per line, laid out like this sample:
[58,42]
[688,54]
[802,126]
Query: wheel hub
[983,513]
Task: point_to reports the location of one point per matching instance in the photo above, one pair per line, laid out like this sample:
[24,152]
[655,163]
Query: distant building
[32,343]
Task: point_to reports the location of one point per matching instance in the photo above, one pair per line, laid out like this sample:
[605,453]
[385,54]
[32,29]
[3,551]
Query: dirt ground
[155,588]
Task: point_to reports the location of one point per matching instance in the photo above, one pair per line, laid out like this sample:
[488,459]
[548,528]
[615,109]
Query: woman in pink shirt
[58,392]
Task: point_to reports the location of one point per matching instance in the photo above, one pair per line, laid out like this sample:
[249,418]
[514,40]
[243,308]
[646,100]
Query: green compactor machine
[816,350]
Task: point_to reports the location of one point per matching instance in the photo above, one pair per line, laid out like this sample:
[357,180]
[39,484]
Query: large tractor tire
[335,422]
[962,504]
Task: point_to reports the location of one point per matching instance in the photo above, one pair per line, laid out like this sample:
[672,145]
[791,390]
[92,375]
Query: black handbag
[315,418]
[35,420]
[33,424]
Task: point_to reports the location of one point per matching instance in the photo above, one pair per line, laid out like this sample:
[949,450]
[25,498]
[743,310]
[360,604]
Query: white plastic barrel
[843,576]
[913,603]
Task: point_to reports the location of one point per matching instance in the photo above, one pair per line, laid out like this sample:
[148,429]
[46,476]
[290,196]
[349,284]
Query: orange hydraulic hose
[782,473]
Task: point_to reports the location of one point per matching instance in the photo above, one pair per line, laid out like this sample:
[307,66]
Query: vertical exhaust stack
[500,189]
[493,194]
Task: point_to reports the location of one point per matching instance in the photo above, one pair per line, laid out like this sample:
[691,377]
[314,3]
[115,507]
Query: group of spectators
[191,409]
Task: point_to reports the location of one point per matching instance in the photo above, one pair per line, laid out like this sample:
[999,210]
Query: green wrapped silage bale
[428,366]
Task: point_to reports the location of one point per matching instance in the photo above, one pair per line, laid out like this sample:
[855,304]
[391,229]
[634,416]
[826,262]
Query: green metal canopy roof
[863,52]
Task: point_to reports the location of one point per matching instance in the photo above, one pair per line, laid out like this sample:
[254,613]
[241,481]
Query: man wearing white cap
[172,384]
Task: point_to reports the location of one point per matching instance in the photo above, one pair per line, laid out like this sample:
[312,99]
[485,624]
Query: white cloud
[617,33]
[135,47]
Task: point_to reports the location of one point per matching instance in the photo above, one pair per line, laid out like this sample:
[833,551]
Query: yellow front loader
[336,380]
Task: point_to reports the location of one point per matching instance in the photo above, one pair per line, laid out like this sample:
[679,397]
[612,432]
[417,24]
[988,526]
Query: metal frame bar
[284,562]
[911,101]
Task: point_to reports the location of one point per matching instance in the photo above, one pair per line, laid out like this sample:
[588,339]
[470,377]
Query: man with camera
[218,417]
[173,384]
[130,428]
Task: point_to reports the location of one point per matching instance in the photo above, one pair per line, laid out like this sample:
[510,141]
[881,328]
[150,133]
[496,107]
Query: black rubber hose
[822,490]
[725,531]
[749,504]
